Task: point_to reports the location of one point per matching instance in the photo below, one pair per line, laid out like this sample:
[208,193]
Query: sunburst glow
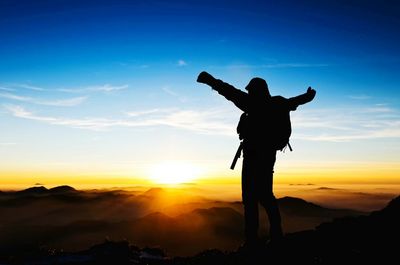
[173,172]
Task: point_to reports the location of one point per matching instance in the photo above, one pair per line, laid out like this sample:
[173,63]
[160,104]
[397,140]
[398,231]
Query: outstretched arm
[302,99]
[238,97]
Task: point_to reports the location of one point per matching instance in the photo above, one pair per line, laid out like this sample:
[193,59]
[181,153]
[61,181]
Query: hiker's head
[258,87]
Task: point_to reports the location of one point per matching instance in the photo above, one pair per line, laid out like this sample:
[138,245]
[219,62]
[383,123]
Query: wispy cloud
[86,123]
[339,125]
[15,97]
[27,86]
[102,88]
[70,102]
[359,97]
[138,113]
[170,92]
[203,121]
[206,122]
[96,88]
[107,88]
[6,89]
[379,109]
[181,63]
[332,125]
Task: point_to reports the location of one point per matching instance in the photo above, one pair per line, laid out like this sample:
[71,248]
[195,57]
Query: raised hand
[311,92]
[205,78]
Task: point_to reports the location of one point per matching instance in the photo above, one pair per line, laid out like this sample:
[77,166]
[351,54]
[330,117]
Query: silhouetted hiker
[261,140]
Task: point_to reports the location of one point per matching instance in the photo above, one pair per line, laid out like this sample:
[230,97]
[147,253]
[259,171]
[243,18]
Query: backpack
[281,133]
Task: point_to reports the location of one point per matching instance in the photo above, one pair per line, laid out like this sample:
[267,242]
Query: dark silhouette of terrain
[69,219]
[368,239]
[41,190]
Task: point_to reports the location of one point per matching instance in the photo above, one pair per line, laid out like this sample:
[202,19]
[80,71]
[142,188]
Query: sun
[173,172]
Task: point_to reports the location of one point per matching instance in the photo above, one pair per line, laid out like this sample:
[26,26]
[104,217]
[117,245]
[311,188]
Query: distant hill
[40,190]
[62,189]
[300,207]
[33,190]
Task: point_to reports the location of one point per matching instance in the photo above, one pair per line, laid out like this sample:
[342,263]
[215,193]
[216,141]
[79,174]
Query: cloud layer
[347,124]
[366,121]
[314,125]
[68,102]
[198,121]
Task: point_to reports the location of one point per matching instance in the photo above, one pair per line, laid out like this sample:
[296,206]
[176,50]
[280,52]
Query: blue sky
[108,87]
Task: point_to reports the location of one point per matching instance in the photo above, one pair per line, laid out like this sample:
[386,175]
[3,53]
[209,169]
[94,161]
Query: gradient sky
[98,92]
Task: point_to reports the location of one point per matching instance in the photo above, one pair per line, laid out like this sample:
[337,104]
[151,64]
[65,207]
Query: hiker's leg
[267,198]
[271,206]
[251,222]
[249,201]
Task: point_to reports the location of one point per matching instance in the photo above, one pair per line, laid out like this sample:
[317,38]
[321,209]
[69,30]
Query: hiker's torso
[267,124]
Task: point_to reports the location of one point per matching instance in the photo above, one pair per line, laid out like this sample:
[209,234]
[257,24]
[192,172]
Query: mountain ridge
[73,220]
[342,241]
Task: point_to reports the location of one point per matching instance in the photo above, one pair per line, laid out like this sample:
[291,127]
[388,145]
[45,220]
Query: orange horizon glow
[355,174]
